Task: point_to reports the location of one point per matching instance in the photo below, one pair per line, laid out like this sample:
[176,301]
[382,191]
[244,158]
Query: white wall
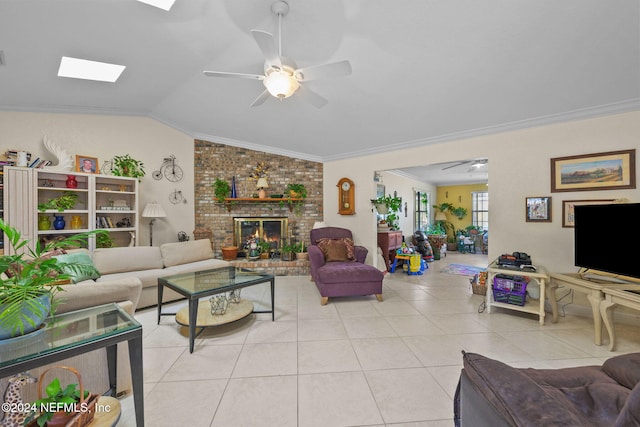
[519,167]
[104,137]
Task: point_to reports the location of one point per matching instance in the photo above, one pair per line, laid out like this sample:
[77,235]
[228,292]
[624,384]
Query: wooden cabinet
[102,202]
[389,241]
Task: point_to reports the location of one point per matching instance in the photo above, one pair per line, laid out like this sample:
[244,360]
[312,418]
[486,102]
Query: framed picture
[86,164]
[612,170]
[379,190]
[538,209]
[568,218]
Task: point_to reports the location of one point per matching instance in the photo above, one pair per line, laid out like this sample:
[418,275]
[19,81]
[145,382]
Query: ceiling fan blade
[238,75]
[334,69]
[457,164]
[260,99]
[311,97]
[267,45]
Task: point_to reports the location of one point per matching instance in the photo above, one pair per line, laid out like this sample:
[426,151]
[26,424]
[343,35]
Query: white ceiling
[424,71]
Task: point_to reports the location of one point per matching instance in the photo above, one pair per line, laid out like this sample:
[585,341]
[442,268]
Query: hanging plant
[459,212]
[127,166]
[221,189]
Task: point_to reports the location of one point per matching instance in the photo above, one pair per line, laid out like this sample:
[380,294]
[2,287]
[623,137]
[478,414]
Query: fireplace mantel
[231,202]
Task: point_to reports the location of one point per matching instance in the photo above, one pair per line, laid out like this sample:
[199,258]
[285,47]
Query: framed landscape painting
[612,170]
[568,213]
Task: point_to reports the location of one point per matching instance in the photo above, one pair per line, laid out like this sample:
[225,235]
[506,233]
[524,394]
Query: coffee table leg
[273,309]
[137,380]
[193,318]
[160,289]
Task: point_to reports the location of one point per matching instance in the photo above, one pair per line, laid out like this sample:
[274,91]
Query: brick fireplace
[213,160]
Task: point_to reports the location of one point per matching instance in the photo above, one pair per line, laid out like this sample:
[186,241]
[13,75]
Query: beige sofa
[147,263]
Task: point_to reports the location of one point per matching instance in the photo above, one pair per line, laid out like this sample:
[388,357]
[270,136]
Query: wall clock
[346,197]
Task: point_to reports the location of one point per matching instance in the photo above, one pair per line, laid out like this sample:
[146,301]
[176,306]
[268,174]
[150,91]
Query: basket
[84,415]
[478,289]
[509,289]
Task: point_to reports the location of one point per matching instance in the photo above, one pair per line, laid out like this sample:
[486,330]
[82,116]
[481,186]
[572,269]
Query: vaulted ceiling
[424,71]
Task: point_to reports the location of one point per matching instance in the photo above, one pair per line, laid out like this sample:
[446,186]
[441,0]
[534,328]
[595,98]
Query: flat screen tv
[598,231]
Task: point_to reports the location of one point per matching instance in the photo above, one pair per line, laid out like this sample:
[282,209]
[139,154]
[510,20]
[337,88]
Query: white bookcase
[103,202]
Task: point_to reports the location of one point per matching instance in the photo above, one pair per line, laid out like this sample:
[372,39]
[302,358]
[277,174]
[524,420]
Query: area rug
[462,269]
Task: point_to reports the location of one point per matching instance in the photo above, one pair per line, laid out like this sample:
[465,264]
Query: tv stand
[595,291]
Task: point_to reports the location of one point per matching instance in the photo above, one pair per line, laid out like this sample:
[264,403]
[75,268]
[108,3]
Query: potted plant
[30,279]
[287,252]
[296,191]
[61,203]
[388,205]
[459,212]
[265,249]
[52,408]
[221,189]
[127,166]
[301,251]
[443,207]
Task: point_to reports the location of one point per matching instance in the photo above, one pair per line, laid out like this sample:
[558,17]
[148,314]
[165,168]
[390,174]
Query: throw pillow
[337,249]
[78,265]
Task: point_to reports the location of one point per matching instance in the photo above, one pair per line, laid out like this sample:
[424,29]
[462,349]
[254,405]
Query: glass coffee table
[201,284]
[77,332]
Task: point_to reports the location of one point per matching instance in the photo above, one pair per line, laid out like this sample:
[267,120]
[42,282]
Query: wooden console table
[613,298]
[389,241]
[595,290]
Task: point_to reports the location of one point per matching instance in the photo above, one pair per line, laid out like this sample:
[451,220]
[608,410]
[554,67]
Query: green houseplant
[61,203]
[389,206]
[221,189]
[459,212]
[127,166]
[58,397]
[297,191]
[287,252]
[30,279]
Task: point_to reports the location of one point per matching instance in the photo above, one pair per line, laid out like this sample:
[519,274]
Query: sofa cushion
[117,260]
[186,252]
[337,249]
[88,293]
[147,277]
[630,414]
[83,268]
[624,369]
[348,272]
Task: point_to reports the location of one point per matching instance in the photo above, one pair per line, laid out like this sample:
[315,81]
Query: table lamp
[261,185]
[153,210]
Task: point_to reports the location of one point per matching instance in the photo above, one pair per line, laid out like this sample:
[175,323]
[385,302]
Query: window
[422,210]
[480,209]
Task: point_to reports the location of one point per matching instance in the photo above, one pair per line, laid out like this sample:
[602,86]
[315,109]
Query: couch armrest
[89,293]
[316,260]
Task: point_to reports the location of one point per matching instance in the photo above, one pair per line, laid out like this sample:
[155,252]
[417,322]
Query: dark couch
[491,393]
[339,278]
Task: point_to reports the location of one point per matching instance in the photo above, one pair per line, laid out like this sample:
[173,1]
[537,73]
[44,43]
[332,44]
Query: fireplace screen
[272,230]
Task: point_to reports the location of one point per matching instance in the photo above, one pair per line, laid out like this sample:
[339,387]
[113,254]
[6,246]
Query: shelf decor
[613,170]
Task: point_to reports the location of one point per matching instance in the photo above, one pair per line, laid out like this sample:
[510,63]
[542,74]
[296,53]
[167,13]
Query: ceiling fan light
[281,84]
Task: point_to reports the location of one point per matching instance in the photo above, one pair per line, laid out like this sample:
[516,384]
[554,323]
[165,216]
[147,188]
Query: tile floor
[353,362]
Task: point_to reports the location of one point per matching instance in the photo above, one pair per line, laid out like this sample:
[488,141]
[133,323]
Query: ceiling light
[89,70]
[281,84]
[161,4]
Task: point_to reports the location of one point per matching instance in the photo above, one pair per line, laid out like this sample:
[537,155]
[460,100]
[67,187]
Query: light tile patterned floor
[353,362]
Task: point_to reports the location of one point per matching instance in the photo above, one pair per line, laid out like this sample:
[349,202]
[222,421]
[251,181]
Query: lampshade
[153,210]
[319,224]
[440,216]
[262,183]
[281,84]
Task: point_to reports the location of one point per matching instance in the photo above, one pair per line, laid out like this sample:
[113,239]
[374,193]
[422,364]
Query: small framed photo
[87,164]
[538,209]
[568,213]
[380,190]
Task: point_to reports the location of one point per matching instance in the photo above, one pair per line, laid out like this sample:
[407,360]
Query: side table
[530,306]
[613,298]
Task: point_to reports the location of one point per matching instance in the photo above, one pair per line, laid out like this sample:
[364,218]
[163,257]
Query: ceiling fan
[282,77]
[474,163]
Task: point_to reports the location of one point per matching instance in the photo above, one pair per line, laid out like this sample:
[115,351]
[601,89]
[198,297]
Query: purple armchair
[343,277]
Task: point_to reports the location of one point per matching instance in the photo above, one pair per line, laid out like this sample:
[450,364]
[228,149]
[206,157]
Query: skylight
[162,4]
[89,70]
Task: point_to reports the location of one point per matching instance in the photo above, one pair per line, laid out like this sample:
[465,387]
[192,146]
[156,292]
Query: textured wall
[223,161]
